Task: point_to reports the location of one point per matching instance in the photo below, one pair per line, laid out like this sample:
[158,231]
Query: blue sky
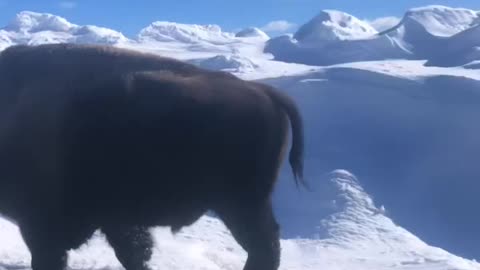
[131,16]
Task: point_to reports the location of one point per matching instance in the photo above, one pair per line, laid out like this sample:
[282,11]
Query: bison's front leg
[45,245]
[254,227]
[132,245]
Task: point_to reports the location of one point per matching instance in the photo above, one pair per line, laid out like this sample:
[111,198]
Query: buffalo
[97,137]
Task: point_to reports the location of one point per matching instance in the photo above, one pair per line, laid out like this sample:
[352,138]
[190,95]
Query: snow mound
[228,63]
[332,25]
[252,32]
[184,33]
[358,236]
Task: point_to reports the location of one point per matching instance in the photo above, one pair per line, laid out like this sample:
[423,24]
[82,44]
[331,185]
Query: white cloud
[278,26]
[68,4]
[384,23]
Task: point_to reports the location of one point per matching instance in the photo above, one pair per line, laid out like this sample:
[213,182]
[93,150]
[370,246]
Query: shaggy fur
[97,137]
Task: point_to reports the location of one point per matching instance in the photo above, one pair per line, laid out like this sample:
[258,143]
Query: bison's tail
[297,150]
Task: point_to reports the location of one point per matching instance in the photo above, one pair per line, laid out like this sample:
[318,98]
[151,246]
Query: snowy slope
[356,236]
[409,131]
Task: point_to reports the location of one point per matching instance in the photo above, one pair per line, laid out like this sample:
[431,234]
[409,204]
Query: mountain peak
[331,25]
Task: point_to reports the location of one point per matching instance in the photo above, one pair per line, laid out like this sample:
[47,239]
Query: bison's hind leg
[132,245]
[256,230]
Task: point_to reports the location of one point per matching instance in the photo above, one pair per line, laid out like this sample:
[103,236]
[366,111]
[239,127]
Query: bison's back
[43,68]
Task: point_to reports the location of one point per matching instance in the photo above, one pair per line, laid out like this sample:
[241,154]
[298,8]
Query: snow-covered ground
[357,235]
[398,108]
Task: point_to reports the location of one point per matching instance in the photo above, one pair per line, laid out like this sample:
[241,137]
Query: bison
[96,137]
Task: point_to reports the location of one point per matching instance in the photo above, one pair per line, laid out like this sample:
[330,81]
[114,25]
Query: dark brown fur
[96,137]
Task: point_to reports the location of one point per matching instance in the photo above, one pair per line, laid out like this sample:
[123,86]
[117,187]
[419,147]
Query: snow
[473,64]
[335,37]
[408,130]
[370,100]
[408,69]
[457,50]
[95,34]
[252,32]
[441,21]
[228,63]
[384,23]
[356,236]
[184,33]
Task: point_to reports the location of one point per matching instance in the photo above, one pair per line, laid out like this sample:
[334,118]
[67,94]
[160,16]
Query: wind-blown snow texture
[405,124]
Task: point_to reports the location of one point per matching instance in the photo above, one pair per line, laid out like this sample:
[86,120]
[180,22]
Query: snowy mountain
[334,37]
[404,122]
[356,236]
[444,36]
